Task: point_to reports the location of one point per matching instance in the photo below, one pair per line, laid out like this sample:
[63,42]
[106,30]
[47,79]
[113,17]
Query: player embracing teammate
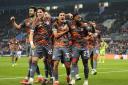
[67,40]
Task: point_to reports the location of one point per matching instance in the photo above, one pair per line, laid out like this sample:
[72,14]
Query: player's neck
[32,17]
[60,23]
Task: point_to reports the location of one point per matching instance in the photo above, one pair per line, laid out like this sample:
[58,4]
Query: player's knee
[34,60]
[56,65]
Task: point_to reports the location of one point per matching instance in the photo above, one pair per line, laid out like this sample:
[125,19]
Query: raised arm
[17,26]
[31,38]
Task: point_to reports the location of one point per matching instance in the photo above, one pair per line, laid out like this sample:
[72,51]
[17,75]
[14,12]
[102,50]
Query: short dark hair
[75,14]
[42,8]
[33,7]
[61,12]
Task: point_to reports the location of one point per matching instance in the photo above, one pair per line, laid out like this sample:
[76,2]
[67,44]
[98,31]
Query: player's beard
[31,15]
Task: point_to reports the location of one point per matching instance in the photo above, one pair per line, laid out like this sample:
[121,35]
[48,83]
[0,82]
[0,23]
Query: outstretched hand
[12,18]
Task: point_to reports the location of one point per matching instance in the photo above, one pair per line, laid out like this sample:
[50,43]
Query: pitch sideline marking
[64,75]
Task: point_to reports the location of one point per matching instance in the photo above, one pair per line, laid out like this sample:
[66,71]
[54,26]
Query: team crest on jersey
[28,24]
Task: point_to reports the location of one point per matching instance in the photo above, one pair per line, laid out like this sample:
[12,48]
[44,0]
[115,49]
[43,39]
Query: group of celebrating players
[64,38]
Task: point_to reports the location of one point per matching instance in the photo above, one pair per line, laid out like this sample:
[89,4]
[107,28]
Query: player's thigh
[86,53]
[56,54]
[75,52]
[37,53]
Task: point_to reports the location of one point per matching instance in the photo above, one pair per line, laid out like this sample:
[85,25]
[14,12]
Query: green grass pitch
[112,72]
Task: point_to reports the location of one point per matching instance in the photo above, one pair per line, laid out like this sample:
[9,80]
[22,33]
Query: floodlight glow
[54,7]
[76,6]
[106,4]
[80,5]
[48,8]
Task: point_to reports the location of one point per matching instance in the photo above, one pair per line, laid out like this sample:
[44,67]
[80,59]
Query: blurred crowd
[89,13]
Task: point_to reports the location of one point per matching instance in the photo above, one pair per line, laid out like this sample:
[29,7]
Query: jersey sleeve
[23,23]
[54,28]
